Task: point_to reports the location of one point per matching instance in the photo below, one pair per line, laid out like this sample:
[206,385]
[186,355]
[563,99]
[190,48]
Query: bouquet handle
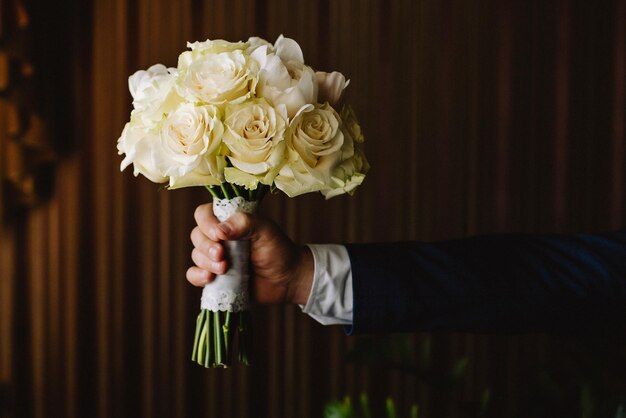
[225,303]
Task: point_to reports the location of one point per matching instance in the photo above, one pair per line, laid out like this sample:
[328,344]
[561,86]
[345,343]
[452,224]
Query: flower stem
[197,345]
[262,192]
[208,341]
[219,341]
[244,337]
[225,191]
[236,190]
[214,338]
[227,330]
[196,339]
[213,192]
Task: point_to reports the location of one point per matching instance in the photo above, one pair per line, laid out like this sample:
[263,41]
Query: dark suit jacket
[499,283]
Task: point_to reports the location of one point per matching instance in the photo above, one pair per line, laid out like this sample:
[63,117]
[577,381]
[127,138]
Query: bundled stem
[218,334]
[228,191]
[215,337]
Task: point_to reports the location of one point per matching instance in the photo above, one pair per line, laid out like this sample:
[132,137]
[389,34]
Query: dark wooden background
[481,117]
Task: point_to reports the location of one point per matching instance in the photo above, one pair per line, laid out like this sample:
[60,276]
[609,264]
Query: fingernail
[212,252]
[224,228]
[218,267]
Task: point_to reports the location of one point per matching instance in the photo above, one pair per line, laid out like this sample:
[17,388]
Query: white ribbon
[229,292]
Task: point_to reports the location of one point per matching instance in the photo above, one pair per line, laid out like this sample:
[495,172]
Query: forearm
[501,283]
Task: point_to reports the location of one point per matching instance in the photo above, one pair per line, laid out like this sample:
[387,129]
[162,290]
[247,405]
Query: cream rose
[352,168]
[347,175]
[254,136]
[153,93]
[315,143]
[212,46]
[137,144]
[283,76]
[351,124]
[255,42]
[216,72]
[188,140]
[331,86]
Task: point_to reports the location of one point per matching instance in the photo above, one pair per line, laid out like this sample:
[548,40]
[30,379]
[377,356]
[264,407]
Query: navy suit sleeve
[499,283]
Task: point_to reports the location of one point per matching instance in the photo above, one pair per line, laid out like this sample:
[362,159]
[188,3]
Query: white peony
[283,76]
[254,136]
[216,72]
[153,93]
[315,143]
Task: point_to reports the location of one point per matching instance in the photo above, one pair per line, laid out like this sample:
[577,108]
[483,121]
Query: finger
[198,238]
[198,277]
[205,263]
[241,225]
[207,221]
[213,250]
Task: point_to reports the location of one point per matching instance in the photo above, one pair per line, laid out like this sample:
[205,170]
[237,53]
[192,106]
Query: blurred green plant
[344,409]
[587,379]
[412,358]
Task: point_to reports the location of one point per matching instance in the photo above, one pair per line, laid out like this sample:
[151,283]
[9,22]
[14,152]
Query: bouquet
[240,119]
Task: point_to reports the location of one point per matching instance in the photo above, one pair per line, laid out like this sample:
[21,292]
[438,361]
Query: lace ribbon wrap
[229,292]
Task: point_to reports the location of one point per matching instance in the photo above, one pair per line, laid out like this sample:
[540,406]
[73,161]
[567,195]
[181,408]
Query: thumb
[238,226]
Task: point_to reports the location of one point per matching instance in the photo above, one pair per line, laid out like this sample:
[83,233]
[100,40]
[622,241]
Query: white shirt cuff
[330,301]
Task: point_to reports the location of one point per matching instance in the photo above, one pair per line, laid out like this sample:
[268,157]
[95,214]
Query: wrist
[302,279]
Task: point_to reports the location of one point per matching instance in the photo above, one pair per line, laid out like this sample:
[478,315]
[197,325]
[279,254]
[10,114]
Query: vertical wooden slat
[69,245]
[37,243]
[618,161]
[7,287]
[503,117]
[561,91]
[120,386]
[53,278]
[104,29]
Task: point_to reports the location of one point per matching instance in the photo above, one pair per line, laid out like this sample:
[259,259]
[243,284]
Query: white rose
[331,86]
[217,72]
[351,124]
[153,93]
[254,135]
[255,42]
[210,172]
[283,77]
[348,175]
[351,171]
[214,46]
[315,143]
[137,143]
[189,138]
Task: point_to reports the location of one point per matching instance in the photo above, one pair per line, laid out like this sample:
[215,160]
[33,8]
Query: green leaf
[339,409]
[391,408]
[365,406]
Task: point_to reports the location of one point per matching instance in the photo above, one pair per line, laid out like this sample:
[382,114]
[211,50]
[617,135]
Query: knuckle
[196,257]
[243,221]
[200,214]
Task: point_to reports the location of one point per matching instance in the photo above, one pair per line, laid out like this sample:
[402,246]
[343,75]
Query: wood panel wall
[481,117]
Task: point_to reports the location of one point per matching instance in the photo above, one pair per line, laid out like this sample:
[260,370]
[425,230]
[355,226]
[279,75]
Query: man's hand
[282,272]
